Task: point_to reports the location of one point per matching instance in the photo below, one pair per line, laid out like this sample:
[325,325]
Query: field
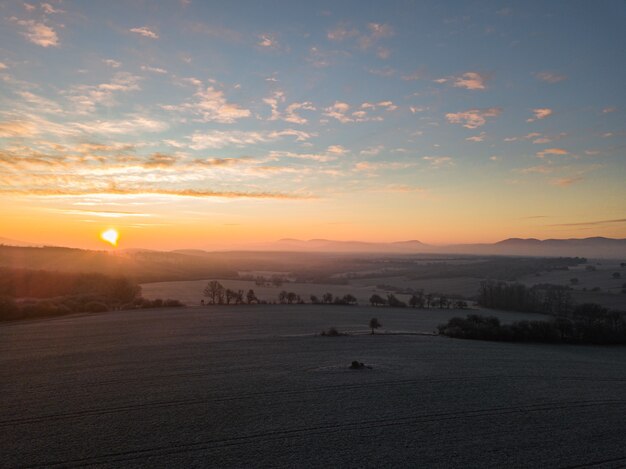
[252,386]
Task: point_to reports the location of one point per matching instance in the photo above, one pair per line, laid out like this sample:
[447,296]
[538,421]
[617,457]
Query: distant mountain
[13,242]
[401,247]
[572,247]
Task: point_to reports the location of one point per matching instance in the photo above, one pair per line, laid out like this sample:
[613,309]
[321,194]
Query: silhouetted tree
[327,298]
[377,300]
[314,299]
[239,297]
[417,299]
[429,299]
[394,302]
[282,296]
[214,291]
[251,297]
[349,299]
[374,324]
[291,297]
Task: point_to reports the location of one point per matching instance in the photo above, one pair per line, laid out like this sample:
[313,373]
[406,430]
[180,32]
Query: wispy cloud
[473,118]
[211,105]
[477,138]
[148,68]
[467,80]
[552,151]
[439,161]
[17,129]
[566,181]
[145,32]
[540,113]
[112,63]
[592,223]
[240,138]
[550,77]
[198,193]
[86,97]
[343,111]
[364,39]
[38,33]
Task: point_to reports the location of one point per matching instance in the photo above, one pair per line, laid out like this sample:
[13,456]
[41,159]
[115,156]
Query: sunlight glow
[110,236]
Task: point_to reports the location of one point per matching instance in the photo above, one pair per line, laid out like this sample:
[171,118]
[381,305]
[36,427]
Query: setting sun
[110,236]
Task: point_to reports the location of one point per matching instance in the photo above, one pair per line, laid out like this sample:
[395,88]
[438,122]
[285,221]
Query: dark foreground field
[251,387]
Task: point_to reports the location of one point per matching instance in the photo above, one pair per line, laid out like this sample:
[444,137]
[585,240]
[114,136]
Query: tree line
[38,293]
[543,298]
[588,324]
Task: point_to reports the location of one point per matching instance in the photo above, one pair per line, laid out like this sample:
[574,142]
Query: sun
[110,236]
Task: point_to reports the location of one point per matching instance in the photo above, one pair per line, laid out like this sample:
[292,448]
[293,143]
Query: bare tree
[374,324]
[214,291]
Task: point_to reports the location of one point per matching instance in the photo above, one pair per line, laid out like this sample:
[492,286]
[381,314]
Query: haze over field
[201,125]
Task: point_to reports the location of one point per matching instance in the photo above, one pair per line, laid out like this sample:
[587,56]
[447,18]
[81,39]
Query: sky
[198,124]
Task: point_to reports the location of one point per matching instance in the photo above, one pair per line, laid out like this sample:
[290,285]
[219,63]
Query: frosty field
[252,386]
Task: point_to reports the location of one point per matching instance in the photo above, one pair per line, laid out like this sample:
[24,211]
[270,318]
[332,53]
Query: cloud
[568,181]
[145,32]
[290,114]
[552,151]
[467,80]
[112,63]
[370,167]
[268,41]
[38,33]
[17,129]
[439,161]
[592,223]
[197,193]
[49,9]
[103,213]
[606,110]
[87,97]
[147,68]
[322,158]
[540,113]
[364,40]
[470,81]
[337,150]
[477,138]
[240,138]
[132,124]
[550,77]
[3,66]
[217,162]
[341,111]
[540,169]
[160,160]
[211,106]
[372,151]
[473,118]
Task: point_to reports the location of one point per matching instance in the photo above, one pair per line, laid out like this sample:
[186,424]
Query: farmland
[237,386]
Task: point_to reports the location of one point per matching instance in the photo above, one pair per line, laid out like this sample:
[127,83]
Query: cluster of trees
[26,294]
[217,294]
[543,298]
[329,299]
[589,324]
[418,300]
